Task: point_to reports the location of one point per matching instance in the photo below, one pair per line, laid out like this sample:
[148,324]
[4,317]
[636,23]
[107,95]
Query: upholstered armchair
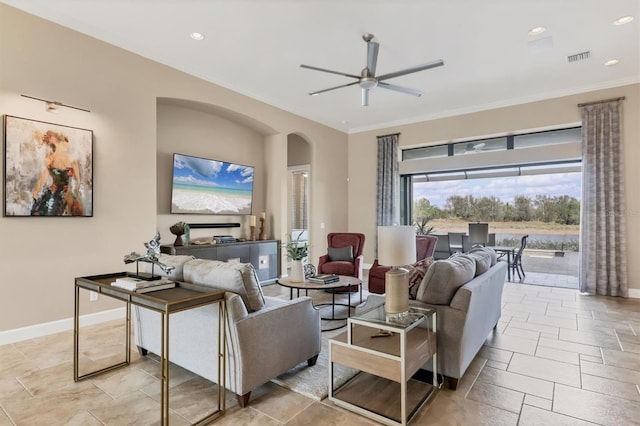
[344,256]
[425,246]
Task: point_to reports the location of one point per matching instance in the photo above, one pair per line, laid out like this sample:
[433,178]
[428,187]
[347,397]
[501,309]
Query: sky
[205,172]
[505,188]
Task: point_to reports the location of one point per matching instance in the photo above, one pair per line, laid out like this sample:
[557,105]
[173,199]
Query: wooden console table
[183,297]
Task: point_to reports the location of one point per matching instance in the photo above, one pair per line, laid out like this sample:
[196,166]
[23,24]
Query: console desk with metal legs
[181,298]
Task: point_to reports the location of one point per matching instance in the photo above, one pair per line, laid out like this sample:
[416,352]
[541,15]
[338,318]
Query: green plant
[421,226]
[295,249]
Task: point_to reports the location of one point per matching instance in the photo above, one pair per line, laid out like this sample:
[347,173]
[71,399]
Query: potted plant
[422,228]
[296,251]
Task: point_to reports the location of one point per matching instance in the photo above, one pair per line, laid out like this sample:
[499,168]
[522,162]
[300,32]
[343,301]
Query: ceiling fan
[368,80]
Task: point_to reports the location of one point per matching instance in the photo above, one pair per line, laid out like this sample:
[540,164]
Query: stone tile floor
[557,357]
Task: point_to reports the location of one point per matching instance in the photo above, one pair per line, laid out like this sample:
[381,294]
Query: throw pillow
[239,278]
[416,274]
[491,252]
[483,261]
[444,278]
[340,253]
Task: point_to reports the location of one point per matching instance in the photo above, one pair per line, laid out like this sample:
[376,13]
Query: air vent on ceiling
[579,56]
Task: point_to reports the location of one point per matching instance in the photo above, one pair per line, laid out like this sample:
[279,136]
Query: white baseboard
[634,293]
[39,330]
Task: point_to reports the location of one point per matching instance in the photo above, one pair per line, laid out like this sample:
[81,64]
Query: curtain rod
[390,134]
[602,101]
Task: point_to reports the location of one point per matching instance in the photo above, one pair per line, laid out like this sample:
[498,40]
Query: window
[426,152]
[480,146]
[551,137]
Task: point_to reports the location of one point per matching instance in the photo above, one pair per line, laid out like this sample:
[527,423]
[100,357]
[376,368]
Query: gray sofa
[266,336]
[466,292]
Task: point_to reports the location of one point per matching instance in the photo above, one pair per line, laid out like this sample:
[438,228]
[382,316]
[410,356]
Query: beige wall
[551,113]
[298,151]
[186,130]
[41,256]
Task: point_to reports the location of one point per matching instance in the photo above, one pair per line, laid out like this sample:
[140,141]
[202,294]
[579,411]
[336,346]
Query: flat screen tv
[204,186]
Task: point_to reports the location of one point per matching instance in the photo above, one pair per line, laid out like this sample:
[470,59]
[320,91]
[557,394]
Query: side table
[387,354]
[180,298]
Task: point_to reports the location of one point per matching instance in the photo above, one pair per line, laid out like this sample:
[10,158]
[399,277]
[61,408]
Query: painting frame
[48,169]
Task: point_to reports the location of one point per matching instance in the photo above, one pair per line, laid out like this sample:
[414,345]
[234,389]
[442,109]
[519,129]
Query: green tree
[422,209]
[567,210]
[460,207]
[488,209]
[522,209]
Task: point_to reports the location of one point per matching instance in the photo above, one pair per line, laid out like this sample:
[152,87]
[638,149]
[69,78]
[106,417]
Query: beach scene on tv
[210,187]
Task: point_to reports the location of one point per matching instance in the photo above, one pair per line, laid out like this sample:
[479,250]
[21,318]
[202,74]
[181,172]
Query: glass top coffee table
[387,354]
[342,283]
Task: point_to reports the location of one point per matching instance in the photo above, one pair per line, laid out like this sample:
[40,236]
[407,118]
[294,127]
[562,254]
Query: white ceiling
[255,47]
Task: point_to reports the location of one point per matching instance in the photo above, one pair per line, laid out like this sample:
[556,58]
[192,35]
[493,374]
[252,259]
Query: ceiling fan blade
[330,71]
[399,89]
[372,57]
[332,88]
[365,97]
[433,64]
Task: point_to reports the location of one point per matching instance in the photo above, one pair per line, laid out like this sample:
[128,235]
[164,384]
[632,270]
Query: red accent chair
[343,264]
[425,247]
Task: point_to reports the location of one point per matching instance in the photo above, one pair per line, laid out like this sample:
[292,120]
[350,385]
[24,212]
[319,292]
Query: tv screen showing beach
[206,186]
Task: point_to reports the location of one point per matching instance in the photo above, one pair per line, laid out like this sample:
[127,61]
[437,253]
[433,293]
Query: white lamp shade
[396,245]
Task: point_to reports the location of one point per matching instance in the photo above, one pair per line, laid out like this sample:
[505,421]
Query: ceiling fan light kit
[367,79]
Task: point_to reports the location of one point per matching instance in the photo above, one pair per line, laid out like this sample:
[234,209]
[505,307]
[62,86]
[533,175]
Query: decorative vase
[296,275]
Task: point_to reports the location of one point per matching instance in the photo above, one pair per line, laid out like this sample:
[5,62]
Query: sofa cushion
[444,278]
[239,278]
[483,261]
[337,254]
[176,261]
[416,274]
[339,268]
[491,252]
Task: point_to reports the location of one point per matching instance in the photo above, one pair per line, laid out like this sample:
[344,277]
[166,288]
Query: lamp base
[397,294]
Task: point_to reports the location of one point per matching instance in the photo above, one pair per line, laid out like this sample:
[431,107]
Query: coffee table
[343,282]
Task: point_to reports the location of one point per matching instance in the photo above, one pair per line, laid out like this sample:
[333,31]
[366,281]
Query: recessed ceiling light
[611,62]
[537,30]
[197,36]
[623,20]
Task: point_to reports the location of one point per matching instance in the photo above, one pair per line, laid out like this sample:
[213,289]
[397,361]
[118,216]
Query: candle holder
[253,233]
[263,234]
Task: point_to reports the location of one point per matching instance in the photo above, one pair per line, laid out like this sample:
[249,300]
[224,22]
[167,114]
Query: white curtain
[603,240]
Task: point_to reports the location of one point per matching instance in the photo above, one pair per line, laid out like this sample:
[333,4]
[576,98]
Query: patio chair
[455,242]
[442,247]
[516,264]
[478,233]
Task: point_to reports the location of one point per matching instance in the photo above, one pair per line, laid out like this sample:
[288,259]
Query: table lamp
[396,248]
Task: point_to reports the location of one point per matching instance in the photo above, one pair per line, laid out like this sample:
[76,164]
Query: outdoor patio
[543,267]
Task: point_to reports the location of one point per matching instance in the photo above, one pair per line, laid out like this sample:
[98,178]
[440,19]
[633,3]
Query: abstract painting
[48,169]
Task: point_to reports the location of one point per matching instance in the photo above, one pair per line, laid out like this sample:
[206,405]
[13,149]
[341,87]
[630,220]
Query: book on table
[323,278]
[142,286]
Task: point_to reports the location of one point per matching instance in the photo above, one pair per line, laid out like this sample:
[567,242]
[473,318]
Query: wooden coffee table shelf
[384,389]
